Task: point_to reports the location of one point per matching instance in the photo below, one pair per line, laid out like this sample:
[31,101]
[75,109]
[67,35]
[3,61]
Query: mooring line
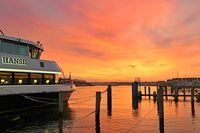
[27,97]
[82,101]
[141,119]
[82,98]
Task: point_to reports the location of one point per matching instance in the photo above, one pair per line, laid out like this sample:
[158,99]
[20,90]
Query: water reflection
[40,117]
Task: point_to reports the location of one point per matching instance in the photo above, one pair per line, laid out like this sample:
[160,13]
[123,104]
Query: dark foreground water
[79,116]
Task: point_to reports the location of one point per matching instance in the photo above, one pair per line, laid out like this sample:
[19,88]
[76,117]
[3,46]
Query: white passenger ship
[25,79]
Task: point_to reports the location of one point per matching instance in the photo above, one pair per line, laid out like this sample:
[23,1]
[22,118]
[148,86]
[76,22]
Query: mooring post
[154,96]
[166,93]
[192,94]
[139,95]
[109,98]
[198,97]
[176,94]
[134,95]
[192,101]
[184,97]
[171,89]
[61,102]
[97,109]
[196,91]
[134,90]
[149,92]
[145,90]
[161,109]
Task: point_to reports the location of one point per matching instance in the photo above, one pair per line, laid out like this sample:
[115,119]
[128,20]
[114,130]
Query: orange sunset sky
[98,40]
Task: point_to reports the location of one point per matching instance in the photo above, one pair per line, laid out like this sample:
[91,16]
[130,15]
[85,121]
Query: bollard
[61,102]
[97,109]
[184,97]
[166,93]
[154,96]
[161,109]
[109,98]
[145,90]
[149,92]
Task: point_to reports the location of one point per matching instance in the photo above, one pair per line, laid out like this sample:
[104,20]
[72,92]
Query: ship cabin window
[21,78]
[49,79]
[5,78]
[13,78]
[36,79]
[34,52]
[10,47]
[59,79]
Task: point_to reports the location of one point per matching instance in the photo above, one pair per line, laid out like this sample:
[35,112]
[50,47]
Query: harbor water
[79,116]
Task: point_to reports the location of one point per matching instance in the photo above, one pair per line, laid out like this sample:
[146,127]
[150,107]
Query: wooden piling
[176,94]
[198,97]
[109,98]
[192,94]
[184,98]
[61,100]
[149,92]
[135,95]
[97,109]
[172,90]
[192,101]
[145,90]
[134,90]
[154,96]
[161,109]
[139,95]
[166,93]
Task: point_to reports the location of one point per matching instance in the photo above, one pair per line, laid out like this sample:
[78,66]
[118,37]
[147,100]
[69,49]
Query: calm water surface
[78,117]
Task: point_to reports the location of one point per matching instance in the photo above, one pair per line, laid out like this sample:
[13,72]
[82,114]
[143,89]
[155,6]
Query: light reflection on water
[178,116]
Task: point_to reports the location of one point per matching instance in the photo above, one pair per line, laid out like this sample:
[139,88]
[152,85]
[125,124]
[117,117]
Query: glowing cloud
[97,40]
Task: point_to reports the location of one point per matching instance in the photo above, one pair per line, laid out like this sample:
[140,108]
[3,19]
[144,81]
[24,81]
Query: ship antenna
[2,32]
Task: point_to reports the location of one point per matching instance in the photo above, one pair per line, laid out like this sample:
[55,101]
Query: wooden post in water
[154,96]
[161,109]
[145,90]
[166,92]
[198,97]
[149,92]
[192,101]
[184,98]
[61,102]
[109,98]
[171,89]
[135,95]
[176,94]
[97,109]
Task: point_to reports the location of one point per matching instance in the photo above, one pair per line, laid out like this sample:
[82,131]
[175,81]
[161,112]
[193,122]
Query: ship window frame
[28,80]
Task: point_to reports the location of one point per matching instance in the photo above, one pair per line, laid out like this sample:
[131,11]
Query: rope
[104,91]
[79,126]
[82,98]
[27,97]
[44,98]
[85,116]
[35,100]
[141,119]
[82,101]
